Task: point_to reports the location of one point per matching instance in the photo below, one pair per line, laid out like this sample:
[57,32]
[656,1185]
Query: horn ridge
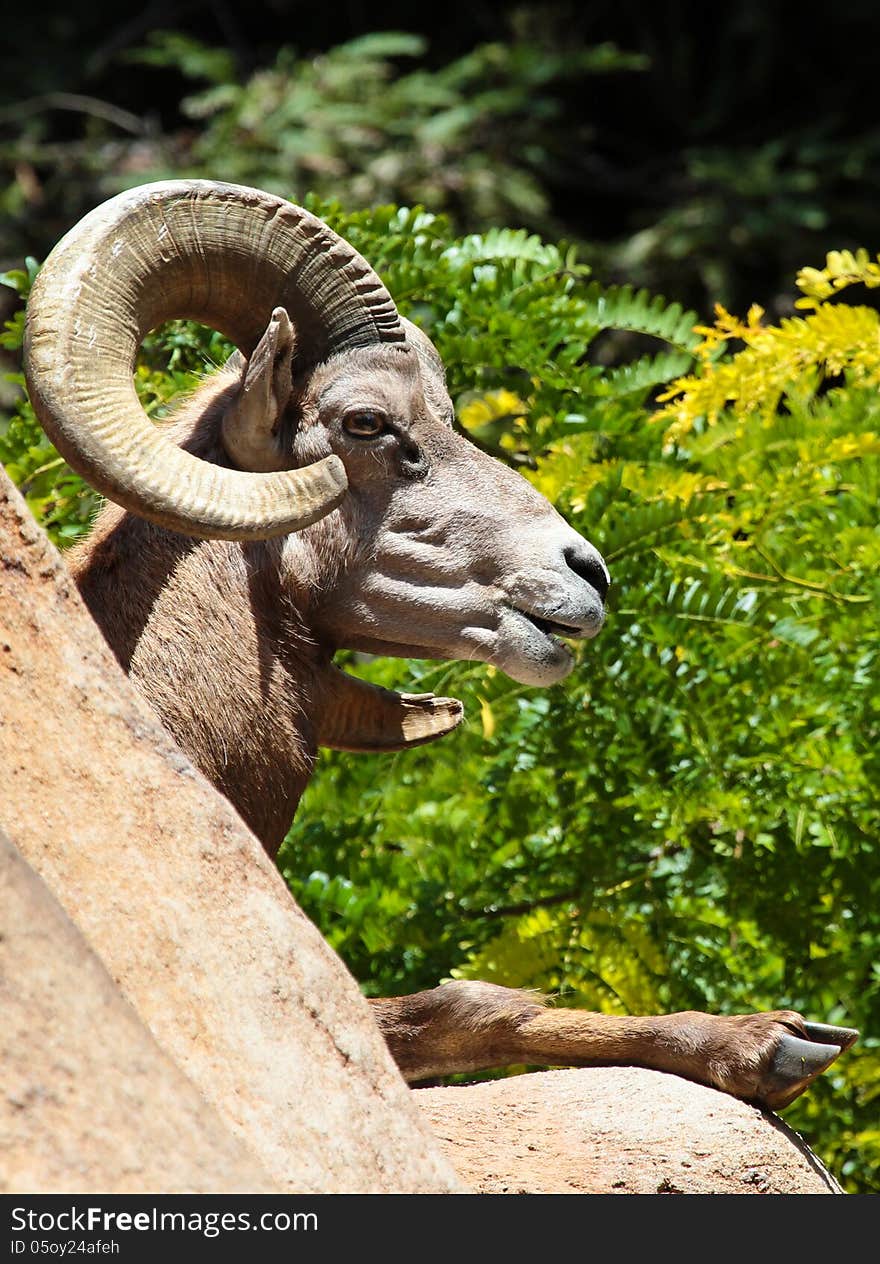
[226,255]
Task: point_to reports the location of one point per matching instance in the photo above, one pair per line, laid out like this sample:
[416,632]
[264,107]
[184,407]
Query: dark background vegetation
[732,146]
[692,819]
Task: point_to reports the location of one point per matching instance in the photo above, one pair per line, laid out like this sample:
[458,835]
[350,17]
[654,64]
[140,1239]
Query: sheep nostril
[586,562]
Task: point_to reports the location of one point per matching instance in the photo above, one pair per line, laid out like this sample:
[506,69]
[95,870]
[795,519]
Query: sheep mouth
[552,628]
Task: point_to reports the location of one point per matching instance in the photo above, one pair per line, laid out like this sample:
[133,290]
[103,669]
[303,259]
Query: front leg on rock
[465,1026]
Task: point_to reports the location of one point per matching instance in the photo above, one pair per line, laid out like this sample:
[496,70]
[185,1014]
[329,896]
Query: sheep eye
[365,425]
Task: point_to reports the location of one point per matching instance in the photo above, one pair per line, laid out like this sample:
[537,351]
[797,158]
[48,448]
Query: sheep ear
[251,425]
[363,718]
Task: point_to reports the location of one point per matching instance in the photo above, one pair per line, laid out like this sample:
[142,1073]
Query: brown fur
[173,608]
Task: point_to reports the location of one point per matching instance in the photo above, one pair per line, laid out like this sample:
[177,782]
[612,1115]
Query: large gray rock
[182,905]
[89,1101]
[617,1130]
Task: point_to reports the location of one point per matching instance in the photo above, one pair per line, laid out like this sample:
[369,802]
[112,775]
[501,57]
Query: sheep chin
[527,654]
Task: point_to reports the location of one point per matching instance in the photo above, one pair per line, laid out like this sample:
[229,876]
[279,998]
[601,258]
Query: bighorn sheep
[321,499]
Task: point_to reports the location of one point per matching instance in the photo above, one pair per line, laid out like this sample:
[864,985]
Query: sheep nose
[587,563]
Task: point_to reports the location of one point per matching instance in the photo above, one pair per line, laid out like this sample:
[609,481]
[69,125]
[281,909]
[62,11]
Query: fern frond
[645,526]
[525,954]
[842,268]
[509,245]
[711,600]
[638,311]
[641,375]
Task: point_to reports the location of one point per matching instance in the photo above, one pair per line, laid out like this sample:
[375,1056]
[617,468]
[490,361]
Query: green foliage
[690,163]
[690,820]
[371,117]
[56,496]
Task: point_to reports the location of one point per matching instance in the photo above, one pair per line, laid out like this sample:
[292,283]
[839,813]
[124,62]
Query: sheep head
[328,435]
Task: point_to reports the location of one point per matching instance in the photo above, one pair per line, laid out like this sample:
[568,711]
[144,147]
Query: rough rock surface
[89,1101]
[616,1130]
[182,905]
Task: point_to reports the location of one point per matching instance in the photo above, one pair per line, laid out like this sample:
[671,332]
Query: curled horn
[227,256]
[359,716]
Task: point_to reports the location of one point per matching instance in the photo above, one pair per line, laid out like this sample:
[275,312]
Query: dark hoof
[795,1063]
[846,1037]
